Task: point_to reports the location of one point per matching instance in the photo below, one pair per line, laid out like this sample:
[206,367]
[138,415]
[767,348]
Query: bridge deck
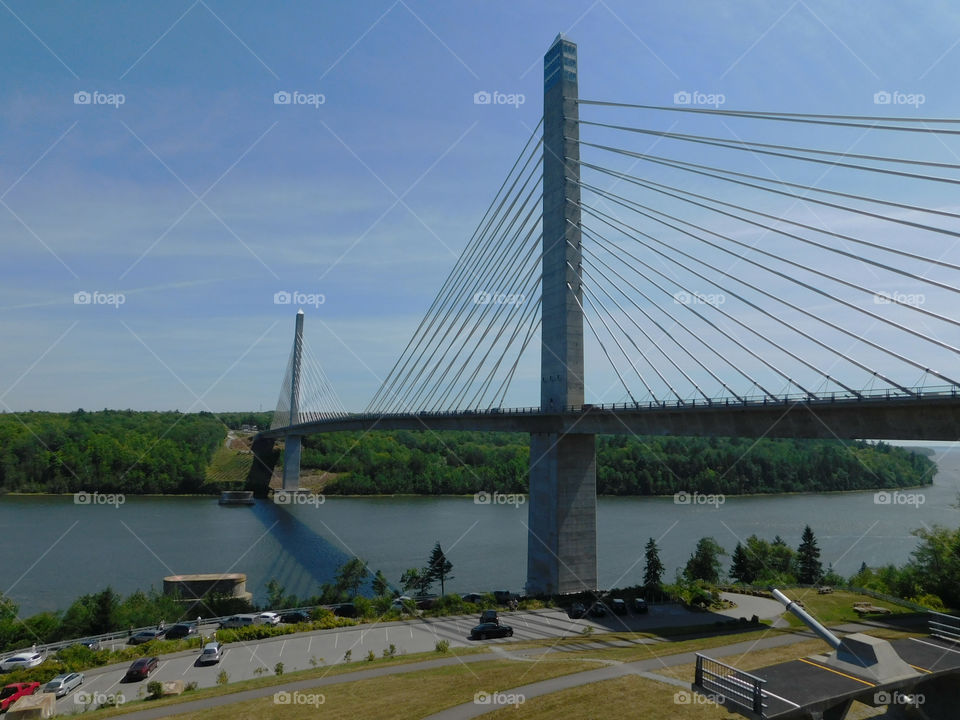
[796,688]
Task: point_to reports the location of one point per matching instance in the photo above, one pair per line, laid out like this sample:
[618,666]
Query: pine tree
[740,568]
[438,568]
[809,569]
[704,563]
[653,572]
[381,586]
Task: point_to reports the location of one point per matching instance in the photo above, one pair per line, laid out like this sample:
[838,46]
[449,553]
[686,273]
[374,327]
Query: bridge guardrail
[883,395]
[732,685]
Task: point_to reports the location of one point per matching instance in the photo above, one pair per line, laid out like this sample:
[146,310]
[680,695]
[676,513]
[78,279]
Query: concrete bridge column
[293,444]
[562,540]
[291,462]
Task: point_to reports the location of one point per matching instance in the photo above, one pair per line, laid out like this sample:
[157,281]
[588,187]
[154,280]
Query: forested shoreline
[138,452]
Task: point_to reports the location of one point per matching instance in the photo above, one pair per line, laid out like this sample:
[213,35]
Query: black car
[145,636]
[472,598]
[345,610]
[640,605]
[142,668]
[490,630]
[489,616]
[598,609]
[181,630]
[618,606]
[577,610]
[295,616]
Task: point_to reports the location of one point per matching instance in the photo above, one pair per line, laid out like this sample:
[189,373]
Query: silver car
[21,661]
[64,684]
[212,652]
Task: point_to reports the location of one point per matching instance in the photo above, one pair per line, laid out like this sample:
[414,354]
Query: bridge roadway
[928,415]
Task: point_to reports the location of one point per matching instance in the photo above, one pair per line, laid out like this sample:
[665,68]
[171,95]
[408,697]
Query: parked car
[345,610]
[141,668]
[577,610]
[239,621]
[502,596]
[63,684]
[403,602]
[490,630]
[295,616]
[640,605]
[211,653]
[181,630]
[598,609]
[619,606]
[13,692]
[21,661]
[90,644]
[145,636]
[489,616]
[472,598]
[268,618]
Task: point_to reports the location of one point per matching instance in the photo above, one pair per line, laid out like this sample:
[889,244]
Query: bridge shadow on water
[306,559]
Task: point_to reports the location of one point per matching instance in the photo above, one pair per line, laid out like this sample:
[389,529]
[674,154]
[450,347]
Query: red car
[141,668]
[14,691]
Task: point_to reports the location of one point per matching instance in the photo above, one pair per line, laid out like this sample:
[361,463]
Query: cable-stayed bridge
[799,283]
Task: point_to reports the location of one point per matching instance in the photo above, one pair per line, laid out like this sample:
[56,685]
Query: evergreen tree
[350,576]
[653,571]
[809,569]
[740,569]
[704,563]
[438,568]
[416,581]
[380,584]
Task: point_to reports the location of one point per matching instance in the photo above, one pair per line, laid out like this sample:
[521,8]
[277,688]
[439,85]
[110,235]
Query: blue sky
[199,198]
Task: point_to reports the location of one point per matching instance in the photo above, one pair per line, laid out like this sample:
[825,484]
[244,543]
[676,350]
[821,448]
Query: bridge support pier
[291,462]
[562,527]
[562,532]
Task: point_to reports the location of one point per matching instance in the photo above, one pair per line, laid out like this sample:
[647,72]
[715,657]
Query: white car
[20,661]
[64,684]
[268,618]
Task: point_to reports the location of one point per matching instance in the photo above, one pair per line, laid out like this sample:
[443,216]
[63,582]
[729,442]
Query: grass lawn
[411,695]
[629,697]
[836,607]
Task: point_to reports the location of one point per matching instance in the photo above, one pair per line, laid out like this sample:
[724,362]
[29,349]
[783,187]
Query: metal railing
[732,685]
[912,394]
[945,627]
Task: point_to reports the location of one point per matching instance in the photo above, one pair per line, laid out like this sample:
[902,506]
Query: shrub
[278,668]
[371,656]
[442,646]
[390,651]
[347,655]
[155,689]
[222,678]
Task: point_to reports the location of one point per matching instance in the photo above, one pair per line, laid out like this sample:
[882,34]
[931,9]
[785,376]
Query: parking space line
[836,672]
[935,645]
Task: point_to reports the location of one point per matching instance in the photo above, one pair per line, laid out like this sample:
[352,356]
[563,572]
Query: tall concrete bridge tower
[293,443]
[562,542]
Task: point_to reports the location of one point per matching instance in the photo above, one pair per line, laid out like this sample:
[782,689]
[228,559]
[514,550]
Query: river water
[54,550]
